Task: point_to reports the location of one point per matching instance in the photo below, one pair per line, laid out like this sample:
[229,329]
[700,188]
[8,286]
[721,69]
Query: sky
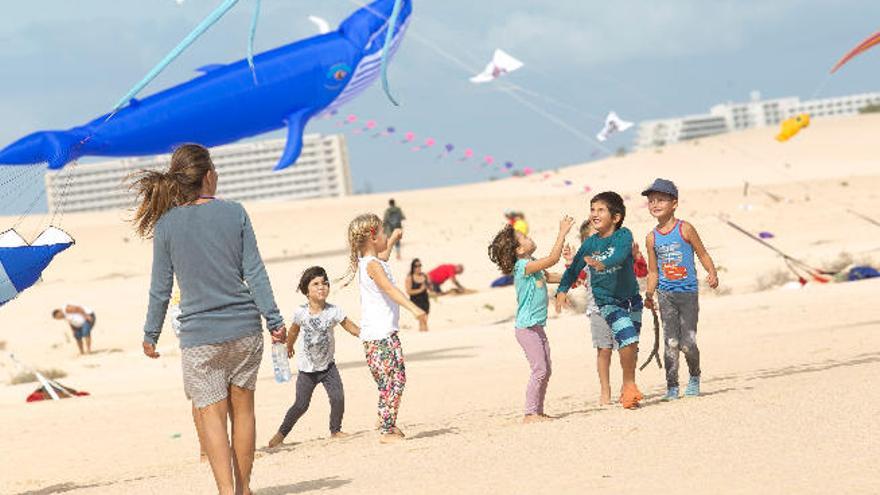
[65,63]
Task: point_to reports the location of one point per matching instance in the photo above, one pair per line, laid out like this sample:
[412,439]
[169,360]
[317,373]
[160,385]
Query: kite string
[200,29]
[389,36]
[469,69]
[552,118]
[252,34]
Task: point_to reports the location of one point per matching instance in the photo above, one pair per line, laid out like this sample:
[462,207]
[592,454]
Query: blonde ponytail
[360,230]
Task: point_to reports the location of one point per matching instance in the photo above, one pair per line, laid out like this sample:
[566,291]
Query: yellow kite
[793,125]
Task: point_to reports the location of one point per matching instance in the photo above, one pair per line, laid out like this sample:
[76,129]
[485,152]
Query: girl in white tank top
[380,311]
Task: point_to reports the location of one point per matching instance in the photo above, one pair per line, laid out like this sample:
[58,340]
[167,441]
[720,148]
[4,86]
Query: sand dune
[789,404]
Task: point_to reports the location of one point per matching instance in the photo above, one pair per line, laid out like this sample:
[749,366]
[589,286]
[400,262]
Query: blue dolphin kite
[21,264]
[226,104]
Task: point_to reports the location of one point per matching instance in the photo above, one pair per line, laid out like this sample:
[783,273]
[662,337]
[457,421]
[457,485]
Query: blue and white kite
[21,264]
[286,88]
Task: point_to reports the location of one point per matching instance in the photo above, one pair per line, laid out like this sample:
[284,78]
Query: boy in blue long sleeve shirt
[608,253]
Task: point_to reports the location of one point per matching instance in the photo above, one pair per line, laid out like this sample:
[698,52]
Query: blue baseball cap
[662,186]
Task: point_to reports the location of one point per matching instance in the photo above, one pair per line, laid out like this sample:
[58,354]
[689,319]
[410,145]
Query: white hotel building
[245,171]
[728,117]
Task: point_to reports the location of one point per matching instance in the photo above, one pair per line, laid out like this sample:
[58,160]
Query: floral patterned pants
[385,360]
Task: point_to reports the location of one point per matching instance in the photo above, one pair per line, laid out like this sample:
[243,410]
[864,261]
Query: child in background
[608,254]
[316,321]
[603,338]
[380,311]
[513,252]
[671,249]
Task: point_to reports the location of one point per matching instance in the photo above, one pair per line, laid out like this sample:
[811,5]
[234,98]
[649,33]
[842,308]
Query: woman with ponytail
[209,244]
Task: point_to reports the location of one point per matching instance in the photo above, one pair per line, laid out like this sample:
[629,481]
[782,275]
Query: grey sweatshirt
[223,283]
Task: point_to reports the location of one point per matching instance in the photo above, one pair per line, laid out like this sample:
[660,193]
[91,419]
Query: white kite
[323,26]
[502,63]
[613,125]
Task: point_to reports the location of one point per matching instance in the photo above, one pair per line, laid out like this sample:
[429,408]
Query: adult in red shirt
[438,276]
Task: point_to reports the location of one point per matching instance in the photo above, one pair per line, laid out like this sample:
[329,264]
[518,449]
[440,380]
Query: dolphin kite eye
[340,75]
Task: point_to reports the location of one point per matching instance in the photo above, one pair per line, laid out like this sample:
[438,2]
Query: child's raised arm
[375,271]
[553,258]
[392,240]
[351,327]
[652,271]
[690,234]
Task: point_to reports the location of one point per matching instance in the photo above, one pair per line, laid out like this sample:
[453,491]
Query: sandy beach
[788,406]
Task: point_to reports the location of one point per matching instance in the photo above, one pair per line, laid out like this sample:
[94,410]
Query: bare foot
[276,441]
[605,399]
[394,436]
[534,418]
[340,435]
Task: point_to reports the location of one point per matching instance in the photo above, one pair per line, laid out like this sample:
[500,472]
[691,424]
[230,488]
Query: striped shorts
[209,370]
[625,320]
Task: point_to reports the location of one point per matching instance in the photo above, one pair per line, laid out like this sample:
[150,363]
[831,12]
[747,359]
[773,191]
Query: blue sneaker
[693,388]
[671,394]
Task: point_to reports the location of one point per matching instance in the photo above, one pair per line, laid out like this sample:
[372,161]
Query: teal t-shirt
[531,296]
[617,282]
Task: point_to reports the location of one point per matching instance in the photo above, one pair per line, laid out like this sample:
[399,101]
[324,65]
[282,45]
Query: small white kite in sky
[502,63]
[613,125]
[323,26]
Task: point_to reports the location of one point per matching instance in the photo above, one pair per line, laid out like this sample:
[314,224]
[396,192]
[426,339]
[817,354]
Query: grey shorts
[603,338]
[209,370]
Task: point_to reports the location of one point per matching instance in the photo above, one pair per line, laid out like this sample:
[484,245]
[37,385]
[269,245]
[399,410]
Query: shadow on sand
[331,483]
[432,355]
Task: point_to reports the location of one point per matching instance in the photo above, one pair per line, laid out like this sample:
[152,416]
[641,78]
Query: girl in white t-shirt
[380,311]
[312,331]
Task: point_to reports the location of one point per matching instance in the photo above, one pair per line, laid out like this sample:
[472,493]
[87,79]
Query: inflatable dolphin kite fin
[21,264]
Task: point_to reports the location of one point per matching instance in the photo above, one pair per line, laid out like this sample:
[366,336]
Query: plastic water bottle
[280,363]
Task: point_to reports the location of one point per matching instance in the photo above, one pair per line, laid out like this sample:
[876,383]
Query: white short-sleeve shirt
[316,344]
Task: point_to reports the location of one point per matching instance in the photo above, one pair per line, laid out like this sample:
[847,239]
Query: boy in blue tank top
[672,274]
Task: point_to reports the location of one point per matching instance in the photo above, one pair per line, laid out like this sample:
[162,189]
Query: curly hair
[502,251]
[310,274]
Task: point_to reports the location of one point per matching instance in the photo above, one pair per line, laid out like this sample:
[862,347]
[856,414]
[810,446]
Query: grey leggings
[680,312]
[305,386]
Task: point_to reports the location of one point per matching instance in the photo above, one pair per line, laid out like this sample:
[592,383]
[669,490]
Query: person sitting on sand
[81,320]
[316,321]
[672,246]
[442,273]
[513,252]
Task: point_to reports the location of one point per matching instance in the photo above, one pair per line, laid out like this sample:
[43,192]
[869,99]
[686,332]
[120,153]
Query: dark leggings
[305,386]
